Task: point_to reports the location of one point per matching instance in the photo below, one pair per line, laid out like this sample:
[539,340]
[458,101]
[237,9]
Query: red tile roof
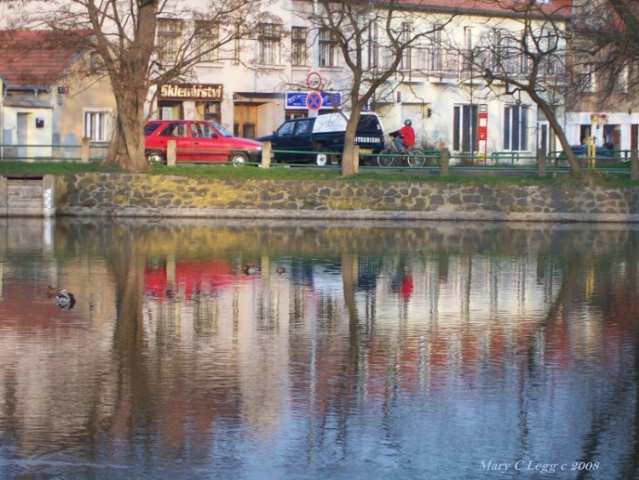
[35,58]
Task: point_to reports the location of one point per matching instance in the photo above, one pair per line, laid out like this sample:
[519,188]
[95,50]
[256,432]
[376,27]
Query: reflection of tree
[358,364]
[134,393]
[592,281]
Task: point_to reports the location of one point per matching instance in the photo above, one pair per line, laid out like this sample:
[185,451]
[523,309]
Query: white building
[267,79]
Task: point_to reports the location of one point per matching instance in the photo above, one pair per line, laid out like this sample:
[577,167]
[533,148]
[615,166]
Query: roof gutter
[34,88]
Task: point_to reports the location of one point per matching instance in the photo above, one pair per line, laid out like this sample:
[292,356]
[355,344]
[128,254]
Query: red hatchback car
[197,141]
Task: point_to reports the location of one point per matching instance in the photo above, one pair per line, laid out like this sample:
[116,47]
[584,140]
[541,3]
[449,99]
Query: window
[286,129]
[468,49]
[207,39]
[327,49]
[465,121]
[304,127]
[586,78]
[621,79]
[96,125]
[270,35]
[169,38]
[298,46]
[174,130]
[405,63]
[373,46]
[516,128]
[437,51]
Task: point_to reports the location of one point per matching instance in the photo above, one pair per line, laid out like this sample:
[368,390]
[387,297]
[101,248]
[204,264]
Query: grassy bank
[481,175]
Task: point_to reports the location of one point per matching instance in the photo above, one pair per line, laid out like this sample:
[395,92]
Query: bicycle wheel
[415,157]
[386,157]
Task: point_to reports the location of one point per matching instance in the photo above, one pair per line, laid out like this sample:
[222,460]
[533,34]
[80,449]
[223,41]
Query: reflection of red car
[197,141]
[190,277]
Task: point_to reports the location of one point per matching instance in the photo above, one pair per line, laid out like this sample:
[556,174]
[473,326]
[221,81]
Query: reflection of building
[490,348]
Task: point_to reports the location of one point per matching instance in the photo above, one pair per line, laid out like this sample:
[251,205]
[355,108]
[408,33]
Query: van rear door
[370,134]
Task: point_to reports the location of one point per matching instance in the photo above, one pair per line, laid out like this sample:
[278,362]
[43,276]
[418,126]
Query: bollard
[444,160]
[266,154]
[4,196]
[634,161]
[170,153]
[84,150]
[541,162]
[356,157]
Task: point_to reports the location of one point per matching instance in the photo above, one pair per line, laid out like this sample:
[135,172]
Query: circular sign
[314,101]
[314,81]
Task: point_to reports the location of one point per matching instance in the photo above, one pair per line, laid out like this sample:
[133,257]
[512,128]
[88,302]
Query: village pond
[219,349]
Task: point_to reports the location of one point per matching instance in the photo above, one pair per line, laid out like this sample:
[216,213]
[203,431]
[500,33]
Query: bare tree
[373,39]
[607,43]
[528,53]
[124,41]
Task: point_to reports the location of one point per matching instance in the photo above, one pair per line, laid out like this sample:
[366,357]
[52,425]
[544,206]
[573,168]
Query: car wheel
[238,158]
[155,157]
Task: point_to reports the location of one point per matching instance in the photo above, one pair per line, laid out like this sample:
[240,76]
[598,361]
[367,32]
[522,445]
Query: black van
[321,139]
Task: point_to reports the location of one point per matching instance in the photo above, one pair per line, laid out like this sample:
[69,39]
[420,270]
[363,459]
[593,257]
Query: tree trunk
[350,160]
[557,129]
[130,87]
[127,146]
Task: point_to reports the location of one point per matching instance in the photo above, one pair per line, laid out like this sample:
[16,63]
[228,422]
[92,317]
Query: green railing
[614,160]
[85,152]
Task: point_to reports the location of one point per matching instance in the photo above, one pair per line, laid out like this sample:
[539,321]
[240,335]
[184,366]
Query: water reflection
[366,350]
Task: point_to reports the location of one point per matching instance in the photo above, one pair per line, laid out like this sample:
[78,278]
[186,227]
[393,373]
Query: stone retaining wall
[99,194]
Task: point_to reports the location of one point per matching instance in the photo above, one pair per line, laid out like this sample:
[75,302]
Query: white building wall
[34,141]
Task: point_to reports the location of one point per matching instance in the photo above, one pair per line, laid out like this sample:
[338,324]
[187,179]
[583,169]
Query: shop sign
[188,91]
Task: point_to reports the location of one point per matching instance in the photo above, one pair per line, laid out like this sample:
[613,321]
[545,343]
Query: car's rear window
[369,122]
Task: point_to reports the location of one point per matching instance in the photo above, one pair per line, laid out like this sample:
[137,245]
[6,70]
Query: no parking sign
[314,101]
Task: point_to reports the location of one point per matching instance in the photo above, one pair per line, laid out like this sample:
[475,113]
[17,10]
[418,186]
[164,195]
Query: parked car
[321,139]
[197,141]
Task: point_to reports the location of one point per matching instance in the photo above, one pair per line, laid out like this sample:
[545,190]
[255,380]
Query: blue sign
[314,101]
[298,100]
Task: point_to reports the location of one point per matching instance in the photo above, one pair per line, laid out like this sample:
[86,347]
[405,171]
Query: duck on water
[65,299]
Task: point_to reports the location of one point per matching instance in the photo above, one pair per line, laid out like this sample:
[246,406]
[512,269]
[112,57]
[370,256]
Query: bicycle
[413,157]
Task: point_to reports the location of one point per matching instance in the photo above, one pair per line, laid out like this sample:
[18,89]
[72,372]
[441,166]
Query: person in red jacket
[405,136]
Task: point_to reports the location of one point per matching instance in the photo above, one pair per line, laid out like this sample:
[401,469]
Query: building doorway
[612,136]
[543,137]
[584,133]
[245,120]
[465,121]
[22,132]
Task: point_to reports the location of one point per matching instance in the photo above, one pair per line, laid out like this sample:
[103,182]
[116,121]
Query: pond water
[211,349]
